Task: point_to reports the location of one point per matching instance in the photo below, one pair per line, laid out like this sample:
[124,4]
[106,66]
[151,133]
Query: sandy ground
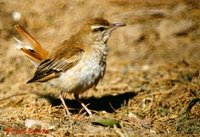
[152,71]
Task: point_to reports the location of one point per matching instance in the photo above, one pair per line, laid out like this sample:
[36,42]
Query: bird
[74,66]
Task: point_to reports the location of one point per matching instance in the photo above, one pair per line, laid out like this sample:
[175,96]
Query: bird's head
[100,29]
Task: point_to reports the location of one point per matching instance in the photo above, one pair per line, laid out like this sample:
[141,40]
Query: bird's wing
[51,68]
[34,51]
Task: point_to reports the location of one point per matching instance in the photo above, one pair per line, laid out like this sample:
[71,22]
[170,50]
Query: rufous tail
[34,51]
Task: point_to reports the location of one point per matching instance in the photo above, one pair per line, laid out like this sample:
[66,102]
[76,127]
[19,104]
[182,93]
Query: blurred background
[156,56]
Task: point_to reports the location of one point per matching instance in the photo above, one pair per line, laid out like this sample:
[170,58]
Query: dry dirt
[152,81]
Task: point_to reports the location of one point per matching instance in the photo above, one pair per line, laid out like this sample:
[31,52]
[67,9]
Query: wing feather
[51,68]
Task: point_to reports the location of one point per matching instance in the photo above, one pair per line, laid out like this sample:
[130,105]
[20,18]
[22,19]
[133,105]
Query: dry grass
[151,78]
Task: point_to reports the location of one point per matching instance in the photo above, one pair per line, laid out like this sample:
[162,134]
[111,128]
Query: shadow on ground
[108,103]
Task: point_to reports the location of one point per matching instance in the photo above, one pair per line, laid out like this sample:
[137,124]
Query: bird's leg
[82,104]
[94,88]
[65,106]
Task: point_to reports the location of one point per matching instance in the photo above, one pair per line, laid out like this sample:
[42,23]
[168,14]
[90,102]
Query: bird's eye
[101,28]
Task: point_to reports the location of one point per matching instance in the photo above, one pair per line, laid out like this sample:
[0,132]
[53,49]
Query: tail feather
[34,52]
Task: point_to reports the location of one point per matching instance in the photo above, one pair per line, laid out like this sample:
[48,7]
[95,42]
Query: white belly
[81,77]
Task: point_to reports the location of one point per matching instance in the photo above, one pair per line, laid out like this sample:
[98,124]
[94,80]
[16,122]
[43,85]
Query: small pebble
[16,16]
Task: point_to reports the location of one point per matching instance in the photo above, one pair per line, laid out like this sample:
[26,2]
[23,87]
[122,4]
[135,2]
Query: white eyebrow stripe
[96,26]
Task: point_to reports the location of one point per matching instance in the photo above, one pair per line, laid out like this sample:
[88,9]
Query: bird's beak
[117,25]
